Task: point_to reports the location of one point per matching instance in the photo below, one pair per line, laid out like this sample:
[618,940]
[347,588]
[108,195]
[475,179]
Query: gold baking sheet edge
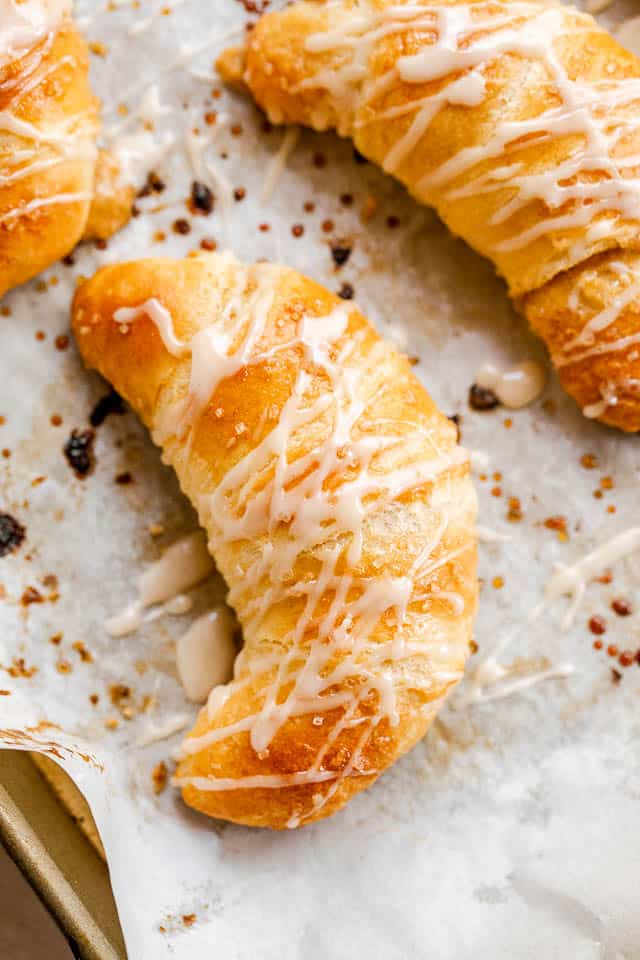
[48,830]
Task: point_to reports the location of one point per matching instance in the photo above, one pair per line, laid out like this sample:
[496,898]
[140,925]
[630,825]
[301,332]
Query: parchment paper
[513,830]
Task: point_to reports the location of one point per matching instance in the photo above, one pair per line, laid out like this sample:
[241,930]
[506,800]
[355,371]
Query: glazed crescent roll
[50,169]
[339,509]
[518,121]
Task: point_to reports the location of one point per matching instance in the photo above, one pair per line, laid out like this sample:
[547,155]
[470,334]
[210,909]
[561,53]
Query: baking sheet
[513,829]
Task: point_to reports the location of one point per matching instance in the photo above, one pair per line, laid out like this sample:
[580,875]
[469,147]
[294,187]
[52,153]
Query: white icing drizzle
[582,191]
[572,581]
[167,728]
[161,319]
[279,161]
[28,30]
[182,566]
[23,23]
[516,387]
[490,680]
[205,653]
[350,632]
[487,535]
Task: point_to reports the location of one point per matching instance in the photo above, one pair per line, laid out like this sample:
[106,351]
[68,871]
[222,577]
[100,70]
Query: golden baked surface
[518,121]
[339,509]
[48,157]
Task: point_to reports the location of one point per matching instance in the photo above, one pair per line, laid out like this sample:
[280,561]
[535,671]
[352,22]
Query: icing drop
[205,653]
[182,566]
[515,387]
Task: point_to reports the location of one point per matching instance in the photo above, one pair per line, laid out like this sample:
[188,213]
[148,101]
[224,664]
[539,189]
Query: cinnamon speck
[514,514]
[41,335]
[616,676]
[309,206]
[559,524]
[63,666]
[55,420]
[297,229]
[239,194]
[589,461]
[622,607]
[94,699]
[597,625]
[346,292]
[392,221]
[626,658]
[319,160]
[612,650]
[606,483]
[264,227]
[181,226]
[124,478]
[597,644]
[55,639]
[189,919]
[327,226]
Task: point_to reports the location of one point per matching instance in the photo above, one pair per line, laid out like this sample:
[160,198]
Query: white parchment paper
[513,830]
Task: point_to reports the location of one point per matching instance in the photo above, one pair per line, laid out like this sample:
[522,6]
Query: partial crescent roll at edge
[339,508]
[55,187]
[519,122]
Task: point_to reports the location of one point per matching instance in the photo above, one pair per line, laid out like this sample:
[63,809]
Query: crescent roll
[339,509]
[518,121]
[50,169]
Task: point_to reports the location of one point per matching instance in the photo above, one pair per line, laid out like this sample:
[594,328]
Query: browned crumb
[31,595]
[159,777]
[84,654]
[19,668]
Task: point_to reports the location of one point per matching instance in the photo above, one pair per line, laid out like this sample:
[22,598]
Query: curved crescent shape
[339,509]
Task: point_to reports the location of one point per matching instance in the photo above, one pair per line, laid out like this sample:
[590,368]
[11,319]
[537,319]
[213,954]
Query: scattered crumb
[159,777]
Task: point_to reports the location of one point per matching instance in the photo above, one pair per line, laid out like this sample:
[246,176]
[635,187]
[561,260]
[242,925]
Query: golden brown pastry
[48,155]
[339,509]
[519,122]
